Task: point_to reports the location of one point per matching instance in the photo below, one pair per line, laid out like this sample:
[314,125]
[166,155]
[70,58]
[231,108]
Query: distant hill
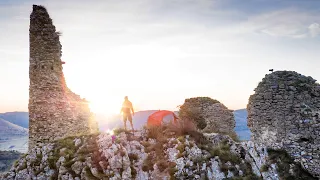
[139,120]
[18,118]
[13,137]
[9,129]
[242,115]
[241,128]
[7,158]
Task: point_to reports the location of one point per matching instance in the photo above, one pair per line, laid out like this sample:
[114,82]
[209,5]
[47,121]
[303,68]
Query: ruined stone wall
[219,119]
[54,111]
[284,113]
[210,115]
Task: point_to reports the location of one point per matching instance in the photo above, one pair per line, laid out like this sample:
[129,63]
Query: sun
[107,107]
[103,107]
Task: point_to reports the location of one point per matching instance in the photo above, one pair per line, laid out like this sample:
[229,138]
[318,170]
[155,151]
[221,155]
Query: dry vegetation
[285,163]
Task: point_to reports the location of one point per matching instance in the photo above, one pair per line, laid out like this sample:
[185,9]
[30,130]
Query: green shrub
[89,174]
[66,142]
[174,142]
[82,158]
[118,141]
[119,131]
[215,152]
[24,166]
[284,161]
[224,168]
[172,171]
[52,162]
[198,137]
[180,148]
[224,153]
[199,159]
[83,151]
[226,156]
[68,164]
[16,163]
[264,168]
[39,156]
[181,139]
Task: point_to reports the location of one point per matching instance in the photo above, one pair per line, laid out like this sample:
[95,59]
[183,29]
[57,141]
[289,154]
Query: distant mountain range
[14,126]
[9,129]
[13,137]
[18,118]
[139,120]
[241,128]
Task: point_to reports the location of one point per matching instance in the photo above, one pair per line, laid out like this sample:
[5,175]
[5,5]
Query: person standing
[126,112]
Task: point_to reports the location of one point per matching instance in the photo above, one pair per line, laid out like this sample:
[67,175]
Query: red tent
[156,119]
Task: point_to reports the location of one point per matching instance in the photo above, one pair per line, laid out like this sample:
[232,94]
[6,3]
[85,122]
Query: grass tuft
[162,165]
[284,161]
[264,168]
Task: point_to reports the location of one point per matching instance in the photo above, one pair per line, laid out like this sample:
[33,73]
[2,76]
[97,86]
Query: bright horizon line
[1,112]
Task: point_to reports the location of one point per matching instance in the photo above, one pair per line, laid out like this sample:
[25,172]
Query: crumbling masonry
[284,113]
[209,115]
[54,110]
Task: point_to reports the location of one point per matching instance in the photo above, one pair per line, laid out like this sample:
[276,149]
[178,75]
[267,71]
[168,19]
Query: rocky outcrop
[54,111]
[284,114]
[209,115]
[143,156]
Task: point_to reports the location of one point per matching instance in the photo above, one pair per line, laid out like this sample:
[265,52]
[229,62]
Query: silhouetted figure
[126,110]
[271,70]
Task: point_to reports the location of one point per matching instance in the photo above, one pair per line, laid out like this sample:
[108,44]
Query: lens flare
[110,132]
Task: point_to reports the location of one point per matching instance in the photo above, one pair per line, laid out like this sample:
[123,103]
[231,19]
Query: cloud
[314,29]
[290,23]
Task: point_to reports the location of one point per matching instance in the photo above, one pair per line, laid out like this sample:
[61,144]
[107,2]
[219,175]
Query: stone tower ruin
[54,110]
[284,113]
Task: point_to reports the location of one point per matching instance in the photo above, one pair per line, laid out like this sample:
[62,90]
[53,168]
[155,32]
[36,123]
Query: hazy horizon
[161,52]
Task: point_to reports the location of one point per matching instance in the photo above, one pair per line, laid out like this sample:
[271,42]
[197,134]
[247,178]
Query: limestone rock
[77,167]
[125,159]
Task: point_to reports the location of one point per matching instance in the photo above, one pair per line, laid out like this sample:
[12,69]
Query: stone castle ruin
[54,110]
[284,113]
[208,114]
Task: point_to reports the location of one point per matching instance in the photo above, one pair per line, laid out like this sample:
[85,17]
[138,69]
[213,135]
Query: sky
[160,52]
